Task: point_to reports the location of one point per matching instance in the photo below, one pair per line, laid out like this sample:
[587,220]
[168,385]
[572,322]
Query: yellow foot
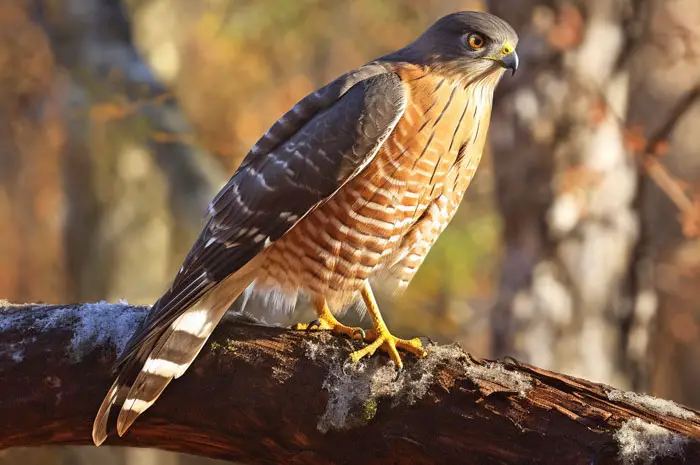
[390,344]
[324,323]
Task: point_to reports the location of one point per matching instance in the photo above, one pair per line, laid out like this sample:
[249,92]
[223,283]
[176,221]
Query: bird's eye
[475,41]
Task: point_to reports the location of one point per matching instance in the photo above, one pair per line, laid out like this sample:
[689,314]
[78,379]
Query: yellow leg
[326,321]
[381,338]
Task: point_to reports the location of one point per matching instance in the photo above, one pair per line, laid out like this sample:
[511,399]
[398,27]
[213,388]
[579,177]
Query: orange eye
[475,41]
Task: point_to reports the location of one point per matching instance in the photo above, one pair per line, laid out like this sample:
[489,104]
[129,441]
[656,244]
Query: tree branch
[260,394]
[682,107]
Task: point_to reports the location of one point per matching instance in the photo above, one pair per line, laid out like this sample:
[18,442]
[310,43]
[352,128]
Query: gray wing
[305,157]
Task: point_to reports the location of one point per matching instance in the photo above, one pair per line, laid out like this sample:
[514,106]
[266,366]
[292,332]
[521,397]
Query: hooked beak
[510,61]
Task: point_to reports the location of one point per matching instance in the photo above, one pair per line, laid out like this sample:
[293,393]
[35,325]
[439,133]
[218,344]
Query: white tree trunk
[566,188]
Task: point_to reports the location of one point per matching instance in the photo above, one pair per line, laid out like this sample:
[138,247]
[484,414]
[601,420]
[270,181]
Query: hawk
[355,182]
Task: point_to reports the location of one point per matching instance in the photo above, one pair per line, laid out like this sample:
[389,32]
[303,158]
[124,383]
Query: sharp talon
[399,372]
[327,322]
[390,345]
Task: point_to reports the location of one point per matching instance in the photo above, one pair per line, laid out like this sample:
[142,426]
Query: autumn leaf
[634,139]
[690,219]
[567,33]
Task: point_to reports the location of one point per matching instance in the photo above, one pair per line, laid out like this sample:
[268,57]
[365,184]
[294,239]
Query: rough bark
[566,187]
[261,394]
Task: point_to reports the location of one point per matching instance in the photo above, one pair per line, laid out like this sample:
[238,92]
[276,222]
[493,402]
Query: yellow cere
[507,48]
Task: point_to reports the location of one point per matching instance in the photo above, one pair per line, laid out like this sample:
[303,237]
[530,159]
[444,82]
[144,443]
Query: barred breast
[385,220]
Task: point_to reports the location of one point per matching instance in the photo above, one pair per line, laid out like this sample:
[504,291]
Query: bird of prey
[354,183]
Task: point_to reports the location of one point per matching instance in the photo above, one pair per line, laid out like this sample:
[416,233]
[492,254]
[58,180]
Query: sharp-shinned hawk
[355,182]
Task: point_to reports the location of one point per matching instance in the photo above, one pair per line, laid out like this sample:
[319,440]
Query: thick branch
[259,394]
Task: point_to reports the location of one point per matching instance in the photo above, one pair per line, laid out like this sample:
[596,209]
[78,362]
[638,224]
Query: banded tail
[147,370]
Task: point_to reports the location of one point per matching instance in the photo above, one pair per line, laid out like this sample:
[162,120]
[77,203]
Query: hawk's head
[469,42]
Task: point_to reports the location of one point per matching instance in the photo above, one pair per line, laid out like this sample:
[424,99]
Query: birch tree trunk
[566,189]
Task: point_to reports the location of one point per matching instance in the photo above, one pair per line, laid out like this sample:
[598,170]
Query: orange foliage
[567,32]
[690,219]
[634,139]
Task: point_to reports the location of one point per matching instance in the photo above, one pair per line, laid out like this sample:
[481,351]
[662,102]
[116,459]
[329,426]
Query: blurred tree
[592,248]
[566,187]
[87,194]
[665,71]
[132,202]
[32,259]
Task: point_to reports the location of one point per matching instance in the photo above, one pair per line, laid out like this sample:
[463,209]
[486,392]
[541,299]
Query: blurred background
[576,248]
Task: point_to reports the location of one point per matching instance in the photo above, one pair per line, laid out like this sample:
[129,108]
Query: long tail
[144,376]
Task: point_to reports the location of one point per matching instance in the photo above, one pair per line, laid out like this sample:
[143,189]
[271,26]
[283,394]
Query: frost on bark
[566,188]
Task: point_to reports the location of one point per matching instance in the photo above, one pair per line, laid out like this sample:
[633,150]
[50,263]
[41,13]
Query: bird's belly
[356,233]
